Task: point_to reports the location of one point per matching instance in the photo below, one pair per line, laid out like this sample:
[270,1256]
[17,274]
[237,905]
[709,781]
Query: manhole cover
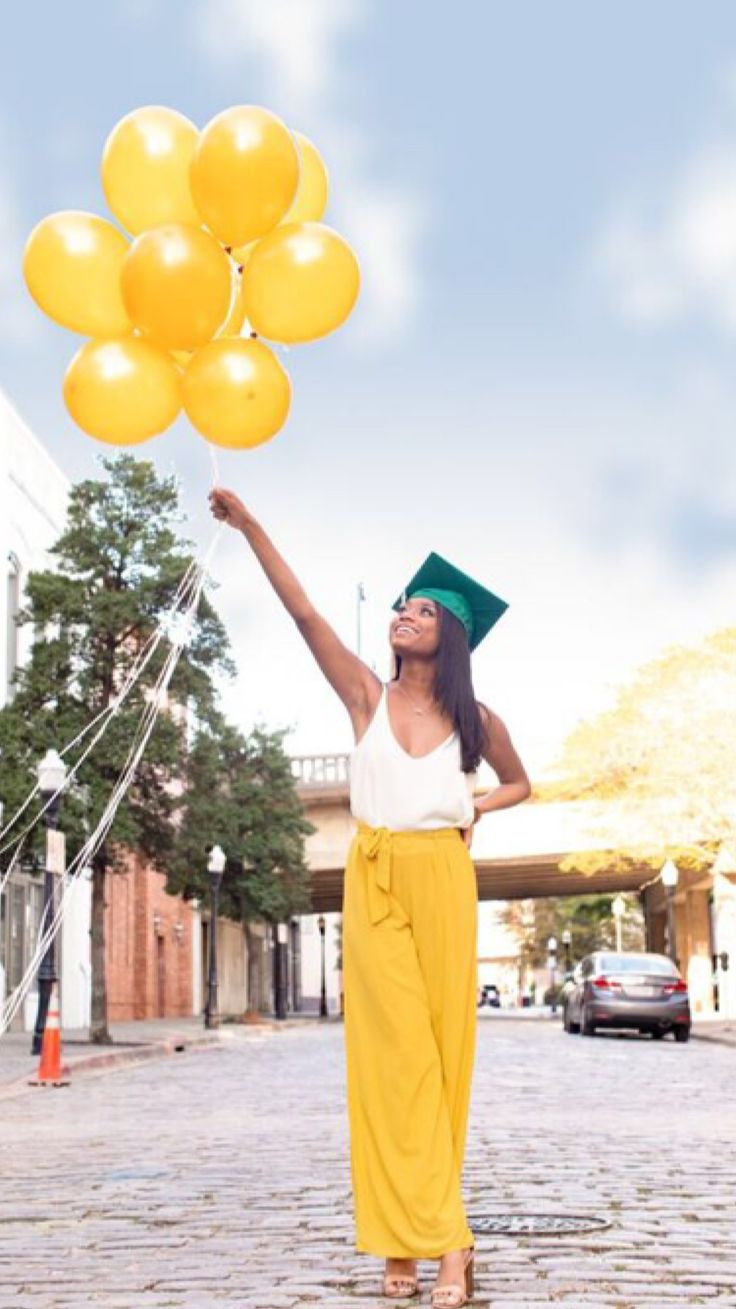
[538,1224]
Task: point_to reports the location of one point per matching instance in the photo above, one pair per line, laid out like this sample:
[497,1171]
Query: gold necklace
[413,704]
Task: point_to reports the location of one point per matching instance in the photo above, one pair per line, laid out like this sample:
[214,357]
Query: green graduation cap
[477,608]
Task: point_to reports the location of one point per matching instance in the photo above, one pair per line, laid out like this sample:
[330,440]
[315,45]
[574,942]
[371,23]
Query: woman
[410,906]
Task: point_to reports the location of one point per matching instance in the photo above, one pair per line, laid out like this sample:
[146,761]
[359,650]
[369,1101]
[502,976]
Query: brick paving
[221,1177]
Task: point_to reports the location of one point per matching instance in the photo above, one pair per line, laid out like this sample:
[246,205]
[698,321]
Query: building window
[12,611]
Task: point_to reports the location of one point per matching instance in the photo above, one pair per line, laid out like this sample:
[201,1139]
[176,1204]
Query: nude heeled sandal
[399,1286]
[452,1295]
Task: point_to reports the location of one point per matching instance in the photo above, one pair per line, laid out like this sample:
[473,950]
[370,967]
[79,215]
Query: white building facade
[33,500]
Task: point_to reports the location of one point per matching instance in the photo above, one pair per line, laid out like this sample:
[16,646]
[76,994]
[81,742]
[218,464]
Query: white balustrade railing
[321,770]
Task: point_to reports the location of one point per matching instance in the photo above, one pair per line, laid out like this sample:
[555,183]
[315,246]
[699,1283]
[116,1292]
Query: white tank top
[390,788]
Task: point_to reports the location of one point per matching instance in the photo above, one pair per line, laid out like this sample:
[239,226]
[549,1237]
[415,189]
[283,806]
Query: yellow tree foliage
[662,759]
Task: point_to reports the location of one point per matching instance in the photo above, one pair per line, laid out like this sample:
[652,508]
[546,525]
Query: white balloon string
[139,664]
[214,463]
[18,840]
[141,737]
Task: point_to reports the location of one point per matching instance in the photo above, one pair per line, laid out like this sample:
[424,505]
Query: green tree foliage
[240,794]
[588,918]
[118,565]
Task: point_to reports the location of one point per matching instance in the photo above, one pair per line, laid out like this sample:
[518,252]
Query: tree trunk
[99,1032]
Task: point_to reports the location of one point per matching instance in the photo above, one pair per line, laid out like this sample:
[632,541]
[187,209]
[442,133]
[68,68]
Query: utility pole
[360,598]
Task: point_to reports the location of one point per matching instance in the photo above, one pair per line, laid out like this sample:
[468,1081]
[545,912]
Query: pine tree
[119,562]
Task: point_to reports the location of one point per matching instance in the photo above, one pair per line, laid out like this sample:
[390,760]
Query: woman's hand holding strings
[229,508]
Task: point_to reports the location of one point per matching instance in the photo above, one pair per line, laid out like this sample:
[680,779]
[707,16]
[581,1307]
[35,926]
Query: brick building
[149,944]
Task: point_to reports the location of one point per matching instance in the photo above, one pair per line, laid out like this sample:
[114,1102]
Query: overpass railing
[313,770]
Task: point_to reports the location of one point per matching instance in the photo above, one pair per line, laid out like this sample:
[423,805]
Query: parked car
[643,991]
[490,995]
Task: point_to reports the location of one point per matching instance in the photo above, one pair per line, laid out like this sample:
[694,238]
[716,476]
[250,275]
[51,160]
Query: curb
[716,1038]
[107,1060]
[112,1059]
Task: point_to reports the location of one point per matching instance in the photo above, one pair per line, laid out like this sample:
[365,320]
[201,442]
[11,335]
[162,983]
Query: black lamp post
[296,964]
[323,989]
[566,944]
[552,963]
[279,969]
[215,869]
[669,875]
[51,778]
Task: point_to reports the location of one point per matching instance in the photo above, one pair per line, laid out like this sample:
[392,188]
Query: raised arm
[355,683]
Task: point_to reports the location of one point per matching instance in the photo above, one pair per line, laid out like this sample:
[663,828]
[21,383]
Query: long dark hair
[453,688]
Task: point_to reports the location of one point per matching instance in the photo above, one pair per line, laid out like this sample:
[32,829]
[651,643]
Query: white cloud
[297,38]
[680,260]
[299,47]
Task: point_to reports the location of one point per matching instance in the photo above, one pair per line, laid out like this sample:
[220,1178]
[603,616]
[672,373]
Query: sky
[539,381]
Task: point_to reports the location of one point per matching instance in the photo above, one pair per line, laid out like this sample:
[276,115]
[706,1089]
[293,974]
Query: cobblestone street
[221,1176]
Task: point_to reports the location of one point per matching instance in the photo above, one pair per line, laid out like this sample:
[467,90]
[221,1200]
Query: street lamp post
[618,909]
[552,961]
[360,597]
[566,944]
[669,876]
[215,868]
[323,989]
[280,970]
[51,778]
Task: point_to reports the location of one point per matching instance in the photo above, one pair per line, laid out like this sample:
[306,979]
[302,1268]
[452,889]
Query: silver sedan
[641,991]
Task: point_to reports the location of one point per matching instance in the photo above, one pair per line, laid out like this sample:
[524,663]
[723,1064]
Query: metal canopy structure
[523,878]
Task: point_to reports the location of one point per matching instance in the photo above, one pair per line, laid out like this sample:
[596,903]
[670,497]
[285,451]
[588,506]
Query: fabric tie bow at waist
[375,845]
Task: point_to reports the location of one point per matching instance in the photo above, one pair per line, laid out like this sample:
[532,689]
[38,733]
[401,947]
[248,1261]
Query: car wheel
[586,1026]
[682,1034]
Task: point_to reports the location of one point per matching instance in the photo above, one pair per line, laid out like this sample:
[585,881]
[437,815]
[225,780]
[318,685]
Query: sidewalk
[706,1027]
[709,1027]
[131,1043]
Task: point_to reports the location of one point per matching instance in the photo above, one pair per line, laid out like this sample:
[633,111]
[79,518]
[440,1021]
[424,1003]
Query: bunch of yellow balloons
[227,247]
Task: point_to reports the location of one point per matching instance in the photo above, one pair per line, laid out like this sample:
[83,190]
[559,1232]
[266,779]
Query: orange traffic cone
[49,1070]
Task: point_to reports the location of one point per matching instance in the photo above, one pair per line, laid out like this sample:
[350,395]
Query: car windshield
[637,963]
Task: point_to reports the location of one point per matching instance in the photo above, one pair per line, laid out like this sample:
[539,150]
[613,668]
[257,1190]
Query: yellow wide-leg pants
[410,910]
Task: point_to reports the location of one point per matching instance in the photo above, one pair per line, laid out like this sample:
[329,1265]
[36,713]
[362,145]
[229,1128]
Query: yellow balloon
[245,173]
[300,283]
[177,285]
[72,265]
[235,319]
[231,327]
[145,169]
[123,391]
[311,197]
[236,393]
[242,253]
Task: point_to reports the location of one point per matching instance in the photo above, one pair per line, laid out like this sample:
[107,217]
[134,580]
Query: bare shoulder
[499,751]
[492,722]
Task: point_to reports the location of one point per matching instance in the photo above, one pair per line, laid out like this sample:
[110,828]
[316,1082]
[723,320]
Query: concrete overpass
[517,852]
